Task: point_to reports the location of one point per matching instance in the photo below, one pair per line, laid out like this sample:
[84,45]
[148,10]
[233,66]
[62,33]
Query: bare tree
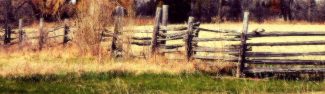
[8,11]
[311,11]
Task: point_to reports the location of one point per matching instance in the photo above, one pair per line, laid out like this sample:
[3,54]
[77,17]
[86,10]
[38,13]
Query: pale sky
[73,1]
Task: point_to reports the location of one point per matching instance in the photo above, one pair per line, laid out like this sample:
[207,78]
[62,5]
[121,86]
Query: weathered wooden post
[164,22]
[66,32]
[188,39]
[116,48]
[243,48]
[196,32]
[7,34]
[7,10]
[311,10]
[154,41]
[22,34]
[42,35]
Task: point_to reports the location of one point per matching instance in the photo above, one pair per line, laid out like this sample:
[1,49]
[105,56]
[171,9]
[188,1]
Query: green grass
[117,82]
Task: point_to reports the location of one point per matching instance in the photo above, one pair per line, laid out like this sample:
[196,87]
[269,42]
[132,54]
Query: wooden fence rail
[189,34]
[278,33]
[20,35]
[251,62]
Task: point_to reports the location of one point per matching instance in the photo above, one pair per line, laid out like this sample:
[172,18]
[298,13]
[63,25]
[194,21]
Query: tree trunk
[311,10]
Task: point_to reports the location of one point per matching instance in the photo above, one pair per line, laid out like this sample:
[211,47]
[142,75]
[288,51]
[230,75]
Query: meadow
[121,83]
[65,70]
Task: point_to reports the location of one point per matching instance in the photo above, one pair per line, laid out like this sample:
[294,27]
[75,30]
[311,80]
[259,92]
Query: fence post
[42,36]
[154,41]
[117,29]
[21,32]
[7,34]
[243,48]
[164,22]
[66,32]
[189,38]
[196,34]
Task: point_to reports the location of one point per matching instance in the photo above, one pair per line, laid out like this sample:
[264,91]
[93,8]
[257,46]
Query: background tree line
[231,10]
[203,10]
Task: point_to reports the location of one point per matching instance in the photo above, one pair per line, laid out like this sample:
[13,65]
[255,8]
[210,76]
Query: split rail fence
[20,36]
[249,62]
[242,52]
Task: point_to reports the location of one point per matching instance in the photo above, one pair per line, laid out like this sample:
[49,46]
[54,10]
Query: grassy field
[64,70]
[121,83]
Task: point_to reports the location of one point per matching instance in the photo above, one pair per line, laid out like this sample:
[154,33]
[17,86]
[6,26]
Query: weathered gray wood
[274,54]
[145,31]
[215,39]
[154,41]
[196,25]
[6,15]
[142,43]
[7,34]
[196,32]
[115,47]
[163,28]
[288,43]
[188,39]
[171,35]
[172,38]
[164,22]
[215,58]
[170,51]
[287,70]
[107,34]
[233,46]
[22,34]
[220,31]
[141,38]
[196,35]
[66,32]
[212,49]
[242,57]
[279,33]
[42,35]
[56,28]
[286,61]
[172,46]
[165,15]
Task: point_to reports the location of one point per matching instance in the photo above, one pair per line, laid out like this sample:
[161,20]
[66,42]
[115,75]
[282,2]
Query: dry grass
[58,61]
[91,22]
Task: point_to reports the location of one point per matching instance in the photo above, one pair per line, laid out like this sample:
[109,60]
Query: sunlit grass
[123,82]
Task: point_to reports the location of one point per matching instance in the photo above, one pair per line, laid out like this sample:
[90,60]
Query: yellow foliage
[54,7]
[49,7]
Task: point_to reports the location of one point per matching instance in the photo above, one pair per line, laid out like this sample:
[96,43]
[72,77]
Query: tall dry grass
[62,61]
[91,21]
